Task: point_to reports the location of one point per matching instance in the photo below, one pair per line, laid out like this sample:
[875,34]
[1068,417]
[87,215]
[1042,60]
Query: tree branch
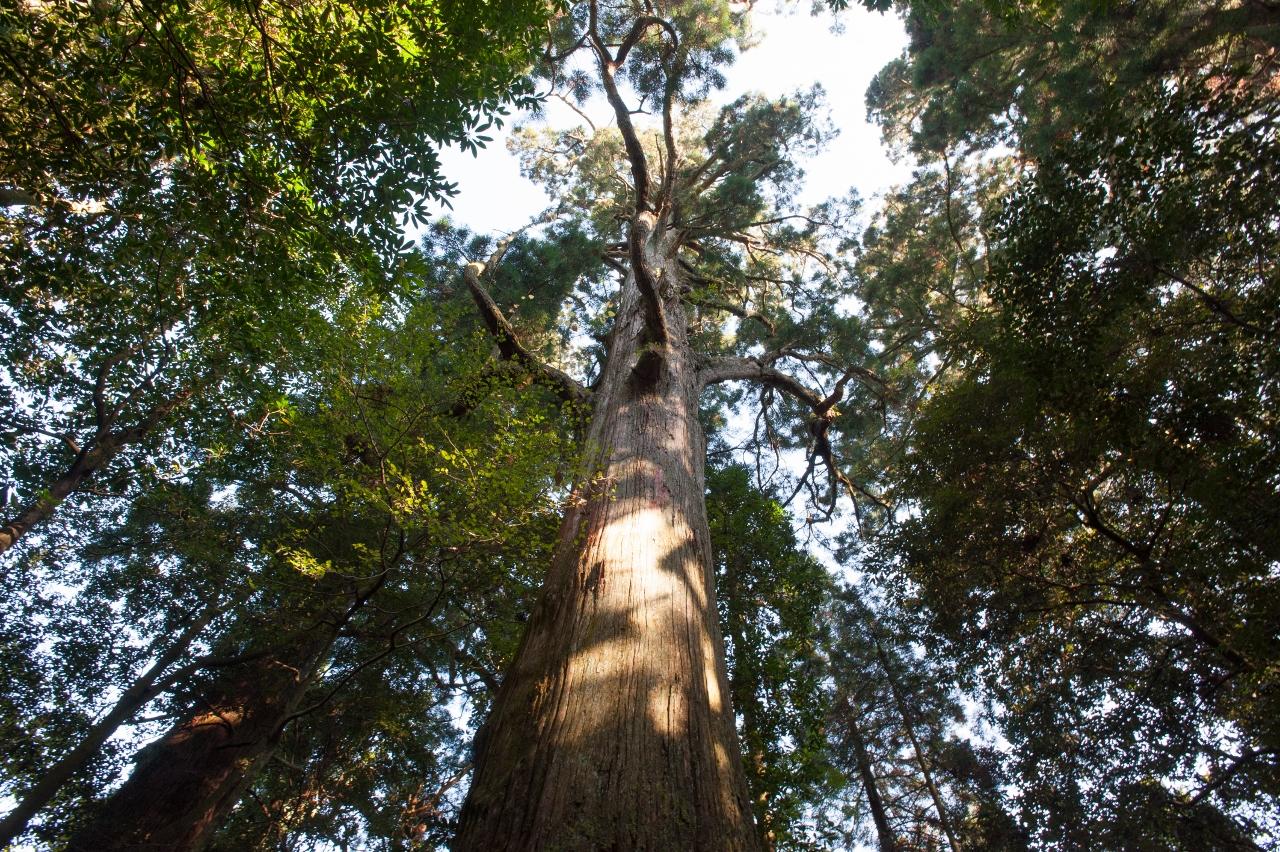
[655,315]
[741,313]
[718,370]
[630,140]
[824,411]
[638,29]
[509,344]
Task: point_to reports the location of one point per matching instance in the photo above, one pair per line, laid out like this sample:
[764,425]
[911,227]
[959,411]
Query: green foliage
[360,480]
[114,104]
[190,194]
[1065,423]
[1086,491]
[987,72]
[771,595]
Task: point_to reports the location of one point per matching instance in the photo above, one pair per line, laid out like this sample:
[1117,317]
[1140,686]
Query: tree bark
[884,832]
[142,690]
[185,783]
[613,727]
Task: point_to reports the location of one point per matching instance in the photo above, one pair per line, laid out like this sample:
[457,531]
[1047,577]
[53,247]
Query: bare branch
[737,311]
[509,344]
[1214,303]
[65,438]
[740,369]
[824,411]
[867,377]
[571,105]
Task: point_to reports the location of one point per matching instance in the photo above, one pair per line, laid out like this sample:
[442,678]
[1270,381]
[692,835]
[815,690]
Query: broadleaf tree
[1077,479]
[369,530]
[183,183]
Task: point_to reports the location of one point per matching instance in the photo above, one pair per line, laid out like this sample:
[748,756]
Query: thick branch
[740,369]
[638,29]
[509,344]
[609,65]
[630,140]
[104,447]
[655,315]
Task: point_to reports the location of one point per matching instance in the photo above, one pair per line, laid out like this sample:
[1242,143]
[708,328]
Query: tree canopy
[686,515]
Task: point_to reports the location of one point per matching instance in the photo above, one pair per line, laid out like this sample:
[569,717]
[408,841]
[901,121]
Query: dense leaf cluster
[1086,474]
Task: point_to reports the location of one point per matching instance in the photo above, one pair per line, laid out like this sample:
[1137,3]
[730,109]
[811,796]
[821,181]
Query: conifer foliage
[685,516]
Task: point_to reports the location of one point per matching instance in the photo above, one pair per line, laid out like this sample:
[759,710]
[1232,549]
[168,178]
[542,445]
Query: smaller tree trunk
[142,690]
[888,842]
[185,783]
[744,702]
[908,723]
[39,510]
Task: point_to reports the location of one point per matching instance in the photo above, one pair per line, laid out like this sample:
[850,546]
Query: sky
[795,50]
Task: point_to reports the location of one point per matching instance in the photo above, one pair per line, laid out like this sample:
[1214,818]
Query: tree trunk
[908,724]
[741,690]
[142,690]
[612,728]
[884,832]
[184,783]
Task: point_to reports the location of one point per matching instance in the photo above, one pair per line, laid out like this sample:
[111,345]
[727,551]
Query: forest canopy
[688,515]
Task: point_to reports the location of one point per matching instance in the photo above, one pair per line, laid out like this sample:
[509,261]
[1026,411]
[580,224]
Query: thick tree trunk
[184,783]
[612,729]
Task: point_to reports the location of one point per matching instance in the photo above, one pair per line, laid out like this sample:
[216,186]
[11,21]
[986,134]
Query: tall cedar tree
[613,726]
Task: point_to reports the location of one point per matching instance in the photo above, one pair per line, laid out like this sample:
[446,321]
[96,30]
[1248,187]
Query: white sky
[795,50]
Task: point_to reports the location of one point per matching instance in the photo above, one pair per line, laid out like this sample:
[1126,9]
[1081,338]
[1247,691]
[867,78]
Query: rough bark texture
[184,783]
[613,729]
